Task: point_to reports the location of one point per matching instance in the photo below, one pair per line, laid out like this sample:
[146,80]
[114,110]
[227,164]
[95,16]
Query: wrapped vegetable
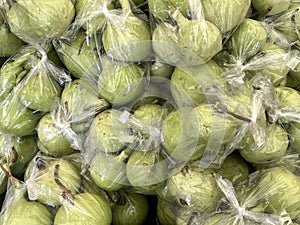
[187,42]
[276,69]
[168,213]
[287,23]
[9,42]
[168,104]
[126,37]
[17,119]
[81,208]
[14,70]
[193,189]
[160,69]
[85,208]
[142,155]
[289,161]
[275,146]
[40,180]
[234,168]
[165,211]
[18,152]
[146,170]
[150,117]
[270,7]
[240,206]
[121,83]
[109,133]
[222,14]
[247,40]
[277,183]
[91,14]
[53,140]
[225,14]
[28,68]
[108,171]
[38,20]
[80,59]
[21,106]
[17,209]
[81,103]
[162,9]
[203,124]
[192,82]
[270,62]
[130,209]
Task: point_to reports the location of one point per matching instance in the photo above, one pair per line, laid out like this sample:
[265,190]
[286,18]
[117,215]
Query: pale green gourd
[38,20]
[188,42]
[127,38]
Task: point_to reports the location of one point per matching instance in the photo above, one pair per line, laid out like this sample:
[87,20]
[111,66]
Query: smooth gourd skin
[121,83]
[16,119]
[88,209]
[27,213]
[46,90]
[108,171]
[53,139]
[133,212]
[128,41]
[107,133]
[287,194]
[270,7]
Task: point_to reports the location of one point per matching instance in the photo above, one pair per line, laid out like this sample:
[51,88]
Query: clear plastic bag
[235,210]
[18,209]
[157,102]
[40,180]
[9,42]
[30,20]
[130,144]
[21,106]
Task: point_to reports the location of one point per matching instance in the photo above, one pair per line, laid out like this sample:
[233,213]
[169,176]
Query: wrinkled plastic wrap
[30,84]
[131,112]
[9,42]
[37,20]
[17,209]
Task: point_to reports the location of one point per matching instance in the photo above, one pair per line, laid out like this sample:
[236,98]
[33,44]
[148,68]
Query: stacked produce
[168,112]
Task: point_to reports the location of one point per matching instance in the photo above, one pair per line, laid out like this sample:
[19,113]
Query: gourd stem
[9,175]
[102,106]
[223,108]
[237,116]
[85,36]
[4,170]
[66,194]
[16,156]
[123,198]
